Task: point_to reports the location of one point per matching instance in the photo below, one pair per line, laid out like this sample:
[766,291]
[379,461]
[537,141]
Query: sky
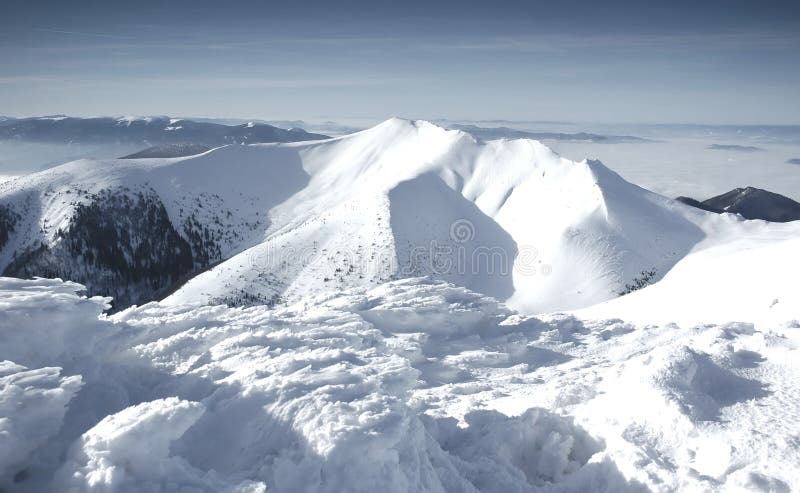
[649,61]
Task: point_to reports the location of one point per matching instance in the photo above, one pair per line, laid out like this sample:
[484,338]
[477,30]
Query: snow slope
[389,202]
[752,278]
[412,385]
[506,218]
[510,219]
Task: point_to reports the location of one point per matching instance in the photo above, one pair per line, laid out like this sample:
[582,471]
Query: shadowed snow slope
[507,218]
[412,385]
[749,279]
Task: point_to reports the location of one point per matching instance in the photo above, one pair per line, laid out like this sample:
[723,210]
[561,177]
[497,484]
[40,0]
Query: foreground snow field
[413,385]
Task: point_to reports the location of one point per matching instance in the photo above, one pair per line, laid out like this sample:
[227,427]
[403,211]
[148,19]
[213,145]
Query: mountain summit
[750,203]
[508,218]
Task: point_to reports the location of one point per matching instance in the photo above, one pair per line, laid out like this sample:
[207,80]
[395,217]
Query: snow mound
[48,310]
[32,408]
[746,279]
[701,387]
[129,451]
[358,391]
[498,453]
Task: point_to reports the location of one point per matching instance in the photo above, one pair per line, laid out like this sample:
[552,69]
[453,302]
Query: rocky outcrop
[750,203]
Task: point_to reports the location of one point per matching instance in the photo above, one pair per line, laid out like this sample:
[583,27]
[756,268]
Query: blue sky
[646,61]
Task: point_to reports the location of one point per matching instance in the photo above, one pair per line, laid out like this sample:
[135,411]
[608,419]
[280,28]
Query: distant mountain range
[149,131]
[750,203]
[493,133]
[733,147]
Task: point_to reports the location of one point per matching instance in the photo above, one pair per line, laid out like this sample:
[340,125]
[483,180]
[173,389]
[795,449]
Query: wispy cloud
[84,33]
[270,82]
[203,82]
[26,79]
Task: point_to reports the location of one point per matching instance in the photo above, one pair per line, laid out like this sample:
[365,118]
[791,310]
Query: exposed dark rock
[698,204]
[751,203]
[755,203]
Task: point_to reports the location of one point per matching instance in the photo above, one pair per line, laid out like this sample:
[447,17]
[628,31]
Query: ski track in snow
[413,385]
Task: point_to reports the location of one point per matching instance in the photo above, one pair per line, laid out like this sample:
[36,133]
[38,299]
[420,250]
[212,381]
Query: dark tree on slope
[8,221]
[643,280]
[121,244]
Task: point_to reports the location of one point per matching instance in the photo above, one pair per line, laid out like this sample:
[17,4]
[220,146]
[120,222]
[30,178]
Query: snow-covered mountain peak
[383,199]
[507,218]
[398,128]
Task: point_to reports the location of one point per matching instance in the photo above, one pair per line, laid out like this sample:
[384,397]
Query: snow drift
[413,385]
[749,278]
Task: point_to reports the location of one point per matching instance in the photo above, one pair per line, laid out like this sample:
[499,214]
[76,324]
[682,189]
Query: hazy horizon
[370,121]
[719,63]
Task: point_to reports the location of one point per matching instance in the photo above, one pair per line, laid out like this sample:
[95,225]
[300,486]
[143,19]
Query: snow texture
[331,348]
[412,385]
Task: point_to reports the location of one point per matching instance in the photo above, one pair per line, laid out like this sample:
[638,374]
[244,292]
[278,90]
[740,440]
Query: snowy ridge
[413,385]
[506,218]
[540,231]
